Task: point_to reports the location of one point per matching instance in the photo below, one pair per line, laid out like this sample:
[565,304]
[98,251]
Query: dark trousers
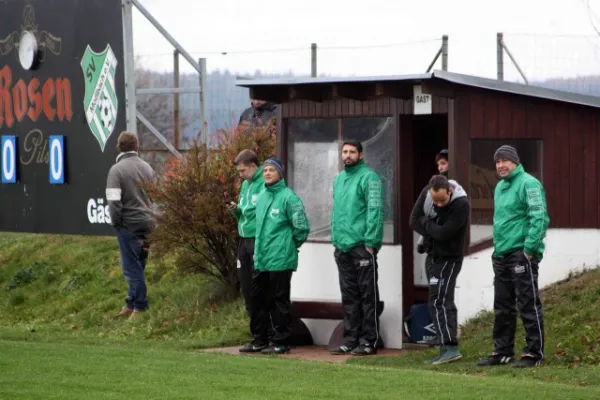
[271,307]
[441,275]
[516,285]
[359,287]
[134,254]
[244,269]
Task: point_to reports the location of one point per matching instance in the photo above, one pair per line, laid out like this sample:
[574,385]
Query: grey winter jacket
[129,206]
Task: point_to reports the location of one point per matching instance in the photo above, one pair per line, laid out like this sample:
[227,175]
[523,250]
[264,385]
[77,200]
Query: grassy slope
[77,286]
[73,286]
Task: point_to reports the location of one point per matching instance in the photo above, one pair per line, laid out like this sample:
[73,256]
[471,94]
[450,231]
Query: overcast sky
[548,37]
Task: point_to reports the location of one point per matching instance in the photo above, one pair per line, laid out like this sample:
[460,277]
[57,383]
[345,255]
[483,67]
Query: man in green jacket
[520,224]
[281,228]
[357,235]
[244,210]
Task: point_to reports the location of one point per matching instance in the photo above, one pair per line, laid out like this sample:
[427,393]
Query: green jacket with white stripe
[246,208]
[520,215]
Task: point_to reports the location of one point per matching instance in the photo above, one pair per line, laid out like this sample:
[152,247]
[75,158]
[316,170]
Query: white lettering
[97,212]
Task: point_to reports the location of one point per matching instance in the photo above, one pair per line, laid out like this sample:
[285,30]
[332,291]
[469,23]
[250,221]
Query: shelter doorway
[421,138]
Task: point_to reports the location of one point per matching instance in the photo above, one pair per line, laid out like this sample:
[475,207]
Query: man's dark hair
[354,143]
[438,182]
[127,141]
[246,157]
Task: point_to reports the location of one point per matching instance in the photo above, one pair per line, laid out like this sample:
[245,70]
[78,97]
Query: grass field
[48,371]
[59,339]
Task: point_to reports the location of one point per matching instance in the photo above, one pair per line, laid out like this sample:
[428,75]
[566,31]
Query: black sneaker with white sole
[364,350]
[495,359]
[253,347]
[342,350]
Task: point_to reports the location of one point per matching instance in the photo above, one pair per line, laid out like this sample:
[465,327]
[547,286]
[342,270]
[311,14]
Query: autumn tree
[193,223]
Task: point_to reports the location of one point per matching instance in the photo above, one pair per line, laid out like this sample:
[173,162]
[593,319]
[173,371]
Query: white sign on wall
[421,101]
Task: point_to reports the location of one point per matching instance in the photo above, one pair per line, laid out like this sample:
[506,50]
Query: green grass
[59,295]
[46,371]
[572,346]
[71,287]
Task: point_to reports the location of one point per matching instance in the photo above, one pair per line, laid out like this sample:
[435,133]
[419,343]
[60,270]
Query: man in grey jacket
[132,216]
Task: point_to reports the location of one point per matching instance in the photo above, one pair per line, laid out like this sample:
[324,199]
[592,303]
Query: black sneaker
[527,361]
[252,348]
[276,349]
[364,350]
[342,350]
[495,359]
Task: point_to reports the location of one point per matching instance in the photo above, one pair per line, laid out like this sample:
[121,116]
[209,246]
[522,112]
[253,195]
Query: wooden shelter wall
[571,147]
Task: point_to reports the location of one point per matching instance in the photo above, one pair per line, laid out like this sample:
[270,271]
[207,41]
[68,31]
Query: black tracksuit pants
[358,277]
[245,268]
[516,284]
[441,274]
[271,307]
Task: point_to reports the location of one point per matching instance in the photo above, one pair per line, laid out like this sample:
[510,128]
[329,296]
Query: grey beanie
[507,152]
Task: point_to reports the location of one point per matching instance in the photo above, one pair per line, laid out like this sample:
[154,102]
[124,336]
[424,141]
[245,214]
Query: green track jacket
[357,216]
[281,228]
[246,209]
[520,215]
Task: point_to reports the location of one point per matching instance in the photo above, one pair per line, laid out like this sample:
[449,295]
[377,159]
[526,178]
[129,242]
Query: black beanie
[442,154]
[507,152]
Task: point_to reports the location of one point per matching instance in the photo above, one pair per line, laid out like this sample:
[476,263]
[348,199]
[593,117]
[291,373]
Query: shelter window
[314,159]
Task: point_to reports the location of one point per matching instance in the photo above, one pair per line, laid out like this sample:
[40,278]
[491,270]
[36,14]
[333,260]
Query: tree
[193,223]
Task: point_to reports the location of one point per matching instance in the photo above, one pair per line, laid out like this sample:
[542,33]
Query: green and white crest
[100,101]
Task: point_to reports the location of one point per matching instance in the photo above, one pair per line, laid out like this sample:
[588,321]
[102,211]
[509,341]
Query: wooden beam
[438,88]
[305,92]
[349,91]
[396,90]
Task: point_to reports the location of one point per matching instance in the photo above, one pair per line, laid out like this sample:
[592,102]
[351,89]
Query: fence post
[500,56]
[313,60]
[176,99]
[445,53]
[203,89]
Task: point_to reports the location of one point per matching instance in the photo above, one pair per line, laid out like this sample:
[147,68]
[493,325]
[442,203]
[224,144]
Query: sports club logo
[100,101]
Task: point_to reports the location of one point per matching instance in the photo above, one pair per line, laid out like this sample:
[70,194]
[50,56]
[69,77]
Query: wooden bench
[319,309]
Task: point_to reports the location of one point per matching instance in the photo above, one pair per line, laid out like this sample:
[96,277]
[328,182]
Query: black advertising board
[62,108]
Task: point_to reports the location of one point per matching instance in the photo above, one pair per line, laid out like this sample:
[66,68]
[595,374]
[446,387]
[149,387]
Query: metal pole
[313,60]
[445,53]
[500,56]
[514,62]
[166,34]
[159,135]
[176,99]
[437,55]
[129,66]
[203,89]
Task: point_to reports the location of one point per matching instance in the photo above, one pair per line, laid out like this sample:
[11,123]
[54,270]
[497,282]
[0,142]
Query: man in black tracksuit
[445,221]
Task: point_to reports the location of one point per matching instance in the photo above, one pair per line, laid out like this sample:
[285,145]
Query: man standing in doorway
[249,170]
[441,160]
[131,214]
[357,235]
[520,224]
[259,113]
[445,221]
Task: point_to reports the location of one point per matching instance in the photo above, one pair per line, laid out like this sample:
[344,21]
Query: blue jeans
[134,253]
